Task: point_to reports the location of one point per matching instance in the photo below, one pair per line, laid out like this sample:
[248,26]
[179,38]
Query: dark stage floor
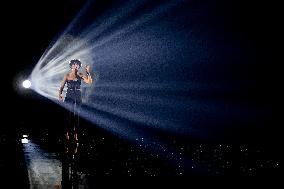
[47,161]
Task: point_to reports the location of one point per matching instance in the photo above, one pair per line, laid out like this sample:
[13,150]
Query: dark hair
[75,61]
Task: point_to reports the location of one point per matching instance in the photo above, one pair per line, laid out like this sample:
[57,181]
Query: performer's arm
[62,87]
[88,77]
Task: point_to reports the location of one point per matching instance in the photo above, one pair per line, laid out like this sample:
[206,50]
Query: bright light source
[27,84]
[25,141]
[25,136]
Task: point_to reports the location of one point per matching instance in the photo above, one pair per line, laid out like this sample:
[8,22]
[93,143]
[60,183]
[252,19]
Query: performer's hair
[75,61]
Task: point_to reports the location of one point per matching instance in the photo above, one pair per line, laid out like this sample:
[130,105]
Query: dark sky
[30,26]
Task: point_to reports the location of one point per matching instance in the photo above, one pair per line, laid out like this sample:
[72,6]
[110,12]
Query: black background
[28,27]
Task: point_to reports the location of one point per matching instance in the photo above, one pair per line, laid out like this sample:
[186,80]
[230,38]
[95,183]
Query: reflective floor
[44,168]
[45,160]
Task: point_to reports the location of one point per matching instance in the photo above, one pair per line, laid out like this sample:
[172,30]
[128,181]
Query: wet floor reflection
[71,178]
[54,170]
[44,168]
[53,162]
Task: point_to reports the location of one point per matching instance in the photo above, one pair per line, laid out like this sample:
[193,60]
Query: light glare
[27,84]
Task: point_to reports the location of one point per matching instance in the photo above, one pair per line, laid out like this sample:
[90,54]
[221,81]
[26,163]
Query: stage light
[156,71]
[159,70]
[27,84]
[25,140]
[132,93]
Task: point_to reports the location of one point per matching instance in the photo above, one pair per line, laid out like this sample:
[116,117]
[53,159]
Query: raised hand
[87,68]
[60,97]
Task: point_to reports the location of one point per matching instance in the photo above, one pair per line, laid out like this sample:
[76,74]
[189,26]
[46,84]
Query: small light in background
[24,140]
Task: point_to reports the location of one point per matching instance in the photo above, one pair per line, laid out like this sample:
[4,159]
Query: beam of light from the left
[157,69]
[160,71]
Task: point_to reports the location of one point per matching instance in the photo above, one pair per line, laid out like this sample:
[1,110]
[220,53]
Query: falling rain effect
[157,71]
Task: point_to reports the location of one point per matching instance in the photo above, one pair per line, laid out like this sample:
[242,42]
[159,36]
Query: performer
[73,94]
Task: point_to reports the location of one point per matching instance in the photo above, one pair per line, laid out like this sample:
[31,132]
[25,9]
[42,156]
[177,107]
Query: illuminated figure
[74,99]
[73,95]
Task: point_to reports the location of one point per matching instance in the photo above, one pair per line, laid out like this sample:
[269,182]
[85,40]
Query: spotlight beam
[158,67]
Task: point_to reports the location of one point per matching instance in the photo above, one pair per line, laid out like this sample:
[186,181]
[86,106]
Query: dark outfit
[73,98]
[69,161]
